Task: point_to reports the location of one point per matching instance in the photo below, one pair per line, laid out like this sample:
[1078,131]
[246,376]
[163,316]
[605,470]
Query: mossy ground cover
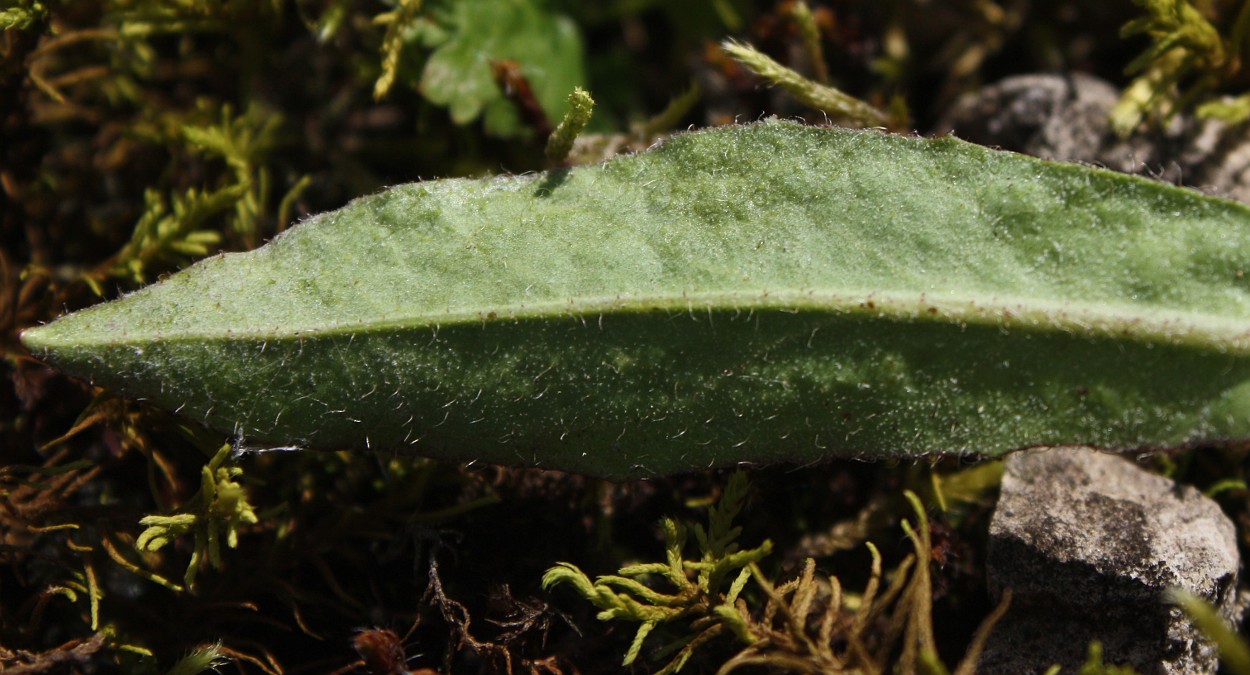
[137,137]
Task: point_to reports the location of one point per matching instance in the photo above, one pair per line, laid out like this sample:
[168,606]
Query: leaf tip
[36,340]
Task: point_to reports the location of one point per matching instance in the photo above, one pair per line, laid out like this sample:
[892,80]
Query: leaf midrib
[1094,320]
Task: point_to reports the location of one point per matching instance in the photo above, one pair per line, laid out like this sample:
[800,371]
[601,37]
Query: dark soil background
[95,96]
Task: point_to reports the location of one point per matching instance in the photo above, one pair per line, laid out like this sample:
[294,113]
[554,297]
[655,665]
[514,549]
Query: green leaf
[764,293]
[546,44]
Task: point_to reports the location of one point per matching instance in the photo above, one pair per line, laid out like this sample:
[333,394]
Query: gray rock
[1060,117]
[1089,544]
[1067,118]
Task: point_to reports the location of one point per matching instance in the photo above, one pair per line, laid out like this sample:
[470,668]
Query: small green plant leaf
[545,43]
[22,15]
[772,292]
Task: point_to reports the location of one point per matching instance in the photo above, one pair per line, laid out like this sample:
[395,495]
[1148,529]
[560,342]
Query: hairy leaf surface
[745,294]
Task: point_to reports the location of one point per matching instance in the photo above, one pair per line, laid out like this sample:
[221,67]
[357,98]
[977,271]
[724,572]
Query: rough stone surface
[1089,544]
[1067,118]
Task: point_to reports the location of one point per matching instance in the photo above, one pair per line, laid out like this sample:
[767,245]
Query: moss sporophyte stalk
[772,292]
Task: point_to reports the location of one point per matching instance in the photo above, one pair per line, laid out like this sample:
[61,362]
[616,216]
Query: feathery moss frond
[1187,58]
[813,94]
[218,511]
[397,22]
[168,235]
[206,657]
[707,606]
[807,625]
[810,625]
[243,142]
[811,41]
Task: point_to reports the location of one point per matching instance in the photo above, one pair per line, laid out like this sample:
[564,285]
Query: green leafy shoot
[667,119]
[82,585]
[215,513]
[206,657]
[1232,110]
[700,598]
[811,41]
[173,231]
[169,234]
[1225,486]
[397,21]
[22,15]
[822,97]
[594,148]
[807,625]
[1186,59]
[581,107]
[243,141]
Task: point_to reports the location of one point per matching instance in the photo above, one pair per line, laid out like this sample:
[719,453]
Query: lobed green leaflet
[761,293]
